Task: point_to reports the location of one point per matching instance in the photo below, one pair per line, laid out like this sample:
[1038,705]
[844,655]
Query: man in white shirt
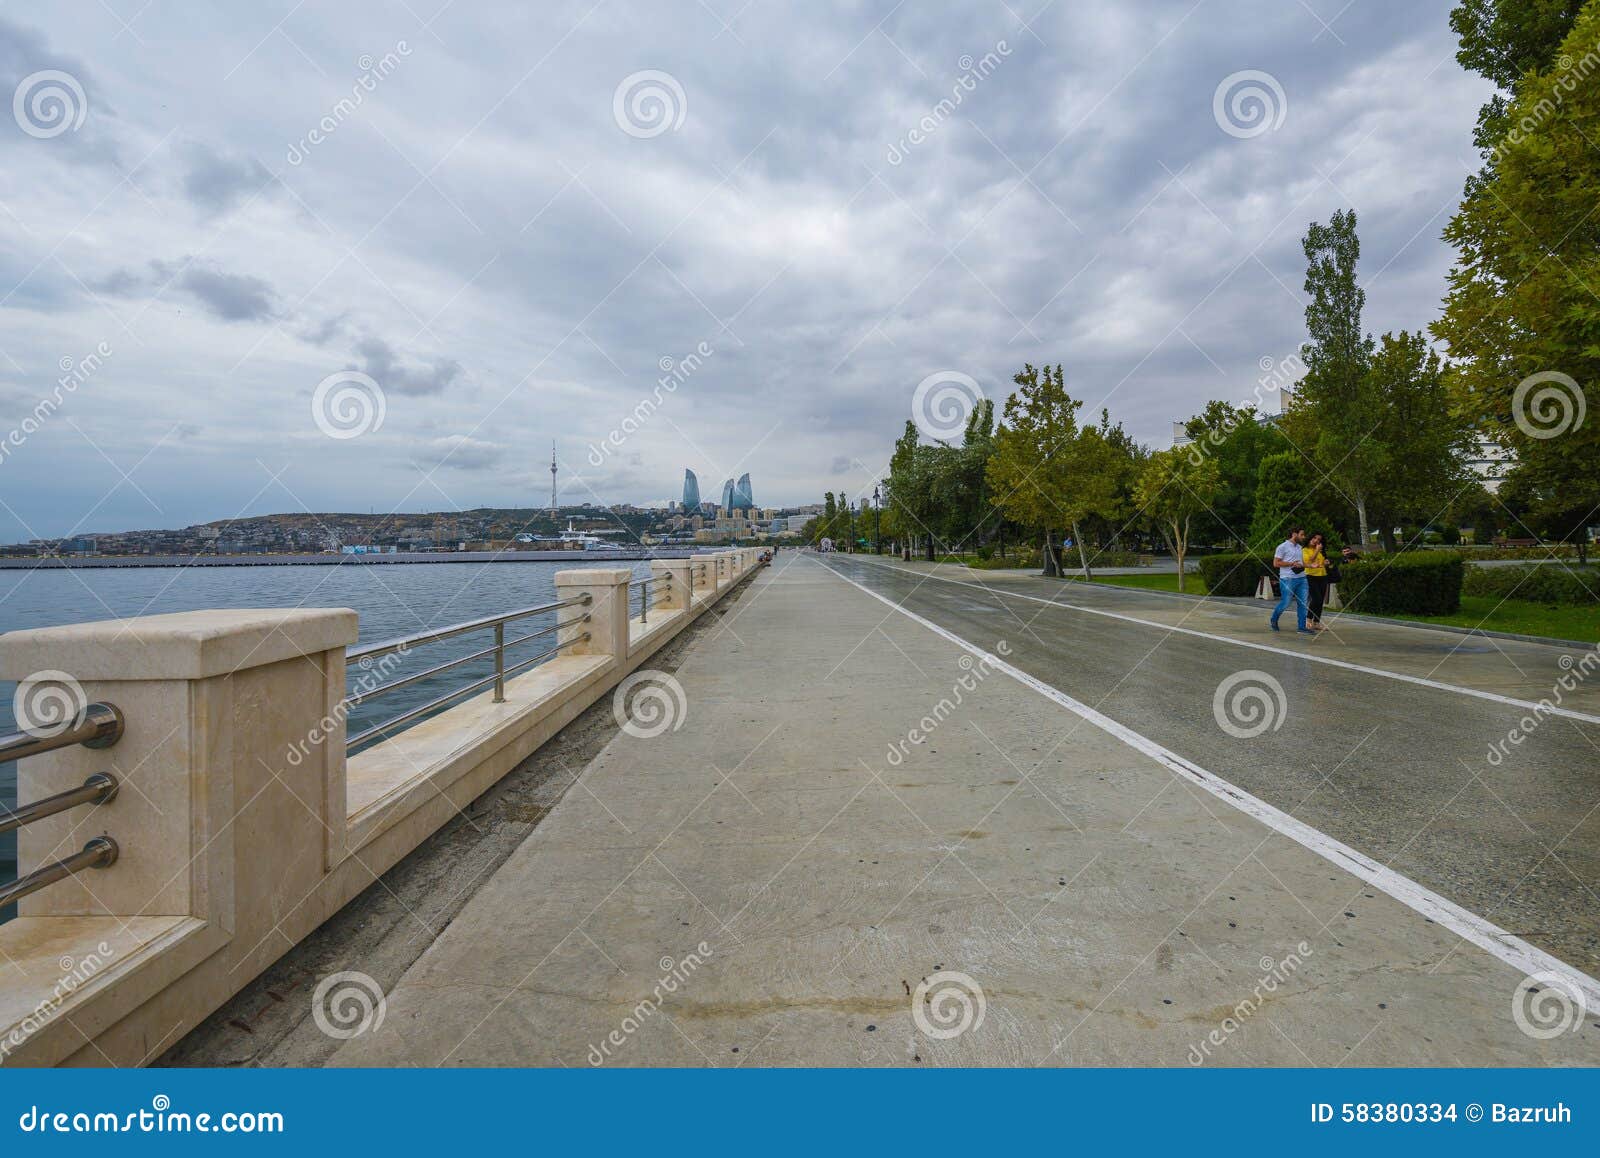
[1290,561]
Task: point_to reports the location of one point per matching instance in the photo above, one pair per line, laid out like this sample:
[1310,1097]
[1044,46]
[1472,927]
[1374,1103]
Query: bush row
[1549,584]
[1409,583]
[1234,574]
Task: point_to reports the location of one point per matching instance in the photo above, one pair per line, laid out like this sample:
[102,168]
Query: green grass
[1193,584]
[1517,616]
[1520,618]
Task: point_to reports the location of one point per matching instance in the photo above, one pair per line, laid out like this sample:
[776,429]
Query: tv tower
[552,478]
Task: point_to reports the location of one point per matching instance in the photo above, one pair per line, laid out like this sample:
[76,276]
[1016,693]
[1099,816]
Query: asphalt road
[1399,771]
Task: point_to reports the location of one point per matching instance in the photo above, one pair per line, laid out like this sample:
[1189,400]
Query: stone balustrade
[242,822]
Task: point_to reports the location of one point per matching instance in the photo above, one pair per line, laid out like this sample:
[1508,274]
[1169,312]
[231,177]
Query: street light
[877,522]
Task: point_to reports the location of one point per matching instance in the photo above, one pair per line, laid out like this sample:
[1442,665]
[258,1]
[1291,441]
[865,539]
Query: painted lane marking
[1509,948]
[1420,681]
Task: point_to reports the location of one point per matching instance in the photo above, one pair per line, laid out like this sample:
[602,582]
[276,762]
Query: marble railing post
[231,767]
[673,580]
[607,626]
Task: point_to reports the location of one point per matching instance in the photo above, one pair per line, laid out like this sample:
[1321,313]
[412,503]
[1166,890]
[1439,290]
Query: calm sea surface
[392,600]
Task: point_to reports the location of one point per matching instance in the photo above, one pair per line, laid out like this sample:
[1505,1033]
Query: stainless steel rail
[363,655]
[498,679]
[373,650]
[98,726]
[99,853]
[101,788]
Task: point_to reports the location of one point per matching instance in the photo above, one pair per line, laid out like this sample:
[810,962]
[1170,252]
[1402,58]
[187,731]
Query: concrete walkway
[773,882]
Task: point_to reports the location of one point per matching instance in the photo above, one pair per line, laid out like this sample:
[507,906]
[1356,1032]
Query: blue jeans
[1295,587]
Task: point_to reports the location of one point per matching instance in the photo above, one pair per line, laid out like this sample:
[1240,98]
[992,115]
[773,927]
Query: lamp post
[877,522]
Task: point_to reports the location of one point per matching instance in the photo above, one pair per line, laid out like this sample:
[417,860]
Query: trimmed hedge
[1234,574]
[1550,584]
[1407,583]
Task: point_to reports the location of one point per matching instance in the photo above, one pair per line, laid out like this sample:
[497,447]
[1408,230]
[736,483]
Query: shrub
[1406,583]
[1553,585]
[1234,574]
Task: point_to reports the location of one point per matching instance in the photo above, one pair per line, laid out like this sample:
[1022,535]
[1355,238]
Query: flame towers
[742,498]
[691,491]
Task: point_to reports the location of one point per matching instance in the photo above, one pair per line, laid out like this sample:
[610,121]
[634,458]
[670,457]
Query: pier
[877,814]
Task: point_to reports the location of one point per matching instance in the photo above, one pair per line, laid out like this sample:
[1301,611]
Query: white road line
[1420,681]
[1513,950]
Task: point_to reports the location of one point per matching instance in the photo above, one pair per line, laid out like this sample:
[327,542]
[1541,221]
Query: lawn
[1517,616]
[1520,618]
[1193,584]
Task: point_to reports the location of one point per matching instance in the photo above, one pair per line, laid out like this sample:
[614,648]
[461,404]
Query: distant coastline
[87,562]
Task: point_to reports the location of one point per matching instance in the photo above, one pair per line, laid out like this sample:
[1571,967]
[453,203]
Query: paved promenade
[790,878]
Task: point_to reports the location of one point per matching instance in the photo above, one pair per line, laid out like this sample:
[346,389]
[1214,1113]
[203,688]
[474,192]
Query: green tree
[1521,322]
[1338,410]
[1424,436]
[1047,472]
[1504,40]
[1173,488]
[1236,440]
[1288,494]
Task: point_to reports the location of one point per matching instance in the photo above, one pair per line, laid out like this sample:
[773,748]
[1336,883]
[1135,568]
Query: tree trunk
[1180,547]
[927,548]
[1083,552]
[1050,569]
[1002,541]
[1361,518]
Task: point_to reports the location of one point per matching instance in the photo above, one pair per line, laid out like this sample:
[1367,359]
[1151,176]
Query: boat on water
[574,539]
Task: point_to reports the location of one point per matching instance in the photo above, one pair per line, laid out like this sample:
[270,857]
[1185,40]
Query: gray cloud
[215,183]
[402,376]
[232,297]
[1080,203]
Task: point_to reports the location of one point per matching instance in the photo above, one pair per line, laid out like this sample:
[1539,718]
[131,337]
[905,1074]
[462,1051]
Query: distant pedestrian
[1316,577]
[1290,561]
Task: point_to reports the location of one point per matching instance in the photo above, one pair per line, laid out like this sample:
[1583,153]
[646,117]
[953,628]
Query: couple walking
[1303,578]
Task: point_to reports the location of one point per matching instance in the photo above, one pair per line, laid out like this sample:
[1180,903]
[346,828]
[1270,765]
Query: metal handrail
[498,679]
[101,788]
[357,698]
[99,853]
[98,726]
[373,650]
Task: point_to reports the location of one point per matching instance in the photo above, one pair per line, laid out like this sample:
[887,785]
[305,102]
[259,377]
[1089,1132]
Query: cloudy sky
[244,227]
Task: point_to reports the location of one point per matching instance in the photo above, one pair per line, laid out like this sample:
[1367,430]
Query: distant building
[742,498]
[729,494]
[691,490]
